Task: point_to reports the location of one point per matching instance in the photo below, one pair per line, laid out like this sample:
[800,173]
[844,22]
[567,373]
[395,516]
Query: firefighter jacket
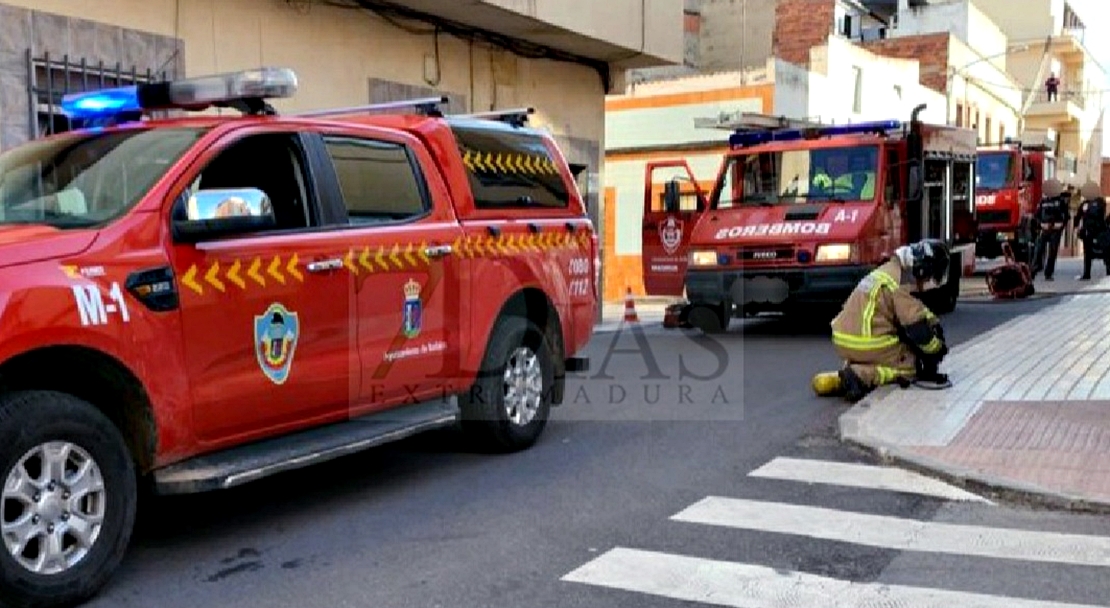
[1052,213]
[881,313]
[846,184]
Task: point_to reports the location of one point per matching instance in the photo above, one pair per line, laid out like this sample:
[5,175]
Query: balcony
[628,33]
[1067,107]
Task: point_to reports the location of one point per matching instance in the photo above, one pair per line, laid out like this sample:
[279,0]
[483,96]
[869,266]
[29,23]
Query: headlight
[703,258]
[840,252]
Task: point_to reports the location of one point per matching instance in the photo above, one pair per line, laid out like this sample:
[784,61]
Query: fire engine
[1008,183]
[799,214]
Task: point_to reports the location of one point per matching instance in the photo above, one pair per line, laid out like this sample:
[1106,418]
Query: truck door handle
[325,265]
[438,251]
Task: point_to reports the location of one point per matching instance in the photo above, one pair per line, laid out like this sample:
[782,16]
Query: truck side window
[510,169]
[270,162]
[380,181]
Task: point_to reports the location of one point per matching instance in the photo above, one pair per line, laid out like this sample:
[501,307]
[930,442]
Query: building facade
[558,56]
[1047,37]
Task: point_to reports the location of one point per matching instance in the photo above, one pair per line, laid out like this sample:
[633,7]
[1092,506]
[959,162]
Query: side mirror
[671,196]
[212,214]
[1027,172]
[913,182]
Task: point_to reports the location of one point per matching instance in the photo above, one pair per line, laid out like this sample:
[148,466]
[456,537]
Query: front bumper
[774,288]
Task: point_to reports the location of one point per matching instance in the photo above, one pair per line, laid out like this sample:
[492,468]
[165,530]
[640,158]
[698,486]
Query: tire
[487,413]
[30,421]
[710,319]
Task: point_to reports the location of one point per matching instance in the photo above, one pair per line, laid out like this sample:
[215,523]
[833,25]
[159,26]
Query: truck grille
[994,217]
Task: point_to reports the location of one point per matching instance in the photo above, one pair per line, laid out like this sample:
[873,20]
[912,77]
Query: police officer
[1092,224]
[1051,216]
[884,333]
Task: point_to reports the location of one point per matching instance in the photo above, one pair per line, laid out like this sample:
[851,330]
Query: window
[271,163]
[86,178]
[959,115]
[510,168]
[380,180]
[995,170]
[798,176]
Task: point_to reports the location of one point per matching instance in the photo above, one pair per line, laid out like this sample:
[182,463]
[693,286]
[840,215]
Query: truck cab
[1009,182]
[797,216]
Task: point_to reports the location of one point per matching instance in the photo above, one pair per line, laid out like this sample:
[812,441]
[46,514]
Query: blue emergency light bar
[244,90]
[741,139]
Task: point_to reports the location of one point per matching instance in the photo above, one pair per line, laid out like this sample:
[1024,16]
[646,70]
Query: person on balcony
[1052,87]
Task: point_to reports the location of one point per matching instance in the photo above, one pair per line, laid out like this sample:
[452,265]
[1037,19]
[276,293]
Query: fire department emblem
[670,233]
[275,341]
[413,309]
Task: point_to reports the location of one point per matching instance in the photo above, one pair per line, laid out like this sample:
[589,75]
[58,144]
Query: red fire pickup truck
[200,301]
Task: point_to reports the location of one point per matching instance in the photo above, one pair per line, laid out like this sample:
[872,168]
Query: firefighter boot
[827,384]
[854,387]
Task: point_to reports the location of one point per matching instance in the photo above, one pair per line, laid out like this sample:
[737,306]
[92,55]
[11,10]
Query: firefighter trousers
[882,366]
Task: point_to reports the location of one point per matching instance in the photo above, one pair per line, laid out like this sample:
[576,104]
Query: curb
[986,484]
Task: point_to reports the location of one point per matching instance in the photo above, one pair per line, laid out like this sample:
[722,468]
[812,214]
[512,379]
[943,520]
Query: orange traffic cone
[630,315]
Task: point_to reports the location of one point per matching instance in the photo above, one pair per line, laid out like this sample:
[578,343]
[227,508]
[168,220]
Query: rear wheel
[509,404]
[67,504]
[711,318]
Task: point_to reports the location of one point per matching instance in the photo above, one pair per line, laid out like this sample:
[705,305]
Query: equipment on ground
[1012,280]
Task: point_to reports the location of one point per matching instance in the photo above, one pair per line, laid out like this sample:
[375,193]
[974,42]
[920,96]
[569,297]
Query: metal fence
[49,80]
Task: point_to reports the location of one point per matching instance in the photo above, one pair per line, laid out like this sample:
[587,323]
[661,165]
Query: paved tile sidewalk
[1029,409]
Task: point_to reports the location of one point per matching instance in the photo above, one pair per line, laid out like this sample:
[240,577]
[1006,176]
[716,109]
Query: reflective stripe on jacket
[876,308]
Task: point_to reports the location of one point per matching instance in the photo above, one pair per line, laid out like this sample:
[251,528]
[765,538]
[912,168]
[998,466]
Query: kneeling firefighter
[884,333]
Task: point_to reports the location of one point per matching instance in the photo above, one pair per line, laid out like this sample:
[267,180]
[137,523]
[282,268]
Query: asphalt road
[426,524]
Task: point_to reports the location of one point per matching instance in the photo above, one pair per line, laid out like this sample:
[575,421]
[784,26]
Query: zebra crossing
[715,582]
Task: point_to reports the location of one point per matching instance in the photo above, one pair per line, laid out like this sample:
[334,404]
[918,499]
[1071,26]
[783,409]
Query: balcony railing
[1079,98]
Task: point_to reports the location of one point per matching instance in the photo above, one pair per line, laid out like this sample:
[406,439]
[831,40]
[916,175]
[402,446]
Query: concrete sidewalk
[1028,413]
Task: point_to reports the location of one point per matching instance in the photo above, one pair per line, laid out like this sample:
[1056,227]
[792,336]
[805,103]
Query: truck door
[673,202]
[265,324]
[401,240]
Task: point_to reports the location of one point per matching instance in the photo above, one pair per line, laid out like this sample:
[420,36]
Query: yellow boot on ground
[826,384]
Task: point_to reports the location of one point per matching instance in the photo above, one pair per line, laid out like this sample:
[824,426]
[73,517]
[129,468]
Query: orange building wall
[625,271]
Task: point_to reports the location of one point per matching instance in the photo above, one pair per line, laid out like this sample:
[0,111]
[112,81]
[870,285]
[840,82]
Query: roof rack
[428,106]
[742,138]
[517,117]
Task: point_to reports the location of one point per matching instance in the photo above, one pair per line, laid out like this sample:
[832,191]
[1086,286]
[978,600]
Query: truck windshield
[86,178]
[798,176]
[994,170]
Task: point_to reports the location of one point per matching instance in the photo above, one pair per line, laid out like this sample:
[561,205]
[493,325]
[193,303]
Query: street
[588,516]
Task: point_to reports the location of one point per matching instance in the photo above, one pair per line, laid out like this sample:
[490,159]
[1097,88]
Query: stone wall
[41,34]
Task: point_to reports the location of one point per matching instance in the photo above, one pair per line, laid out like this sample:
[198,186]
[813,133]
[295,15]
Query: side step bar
[251,462]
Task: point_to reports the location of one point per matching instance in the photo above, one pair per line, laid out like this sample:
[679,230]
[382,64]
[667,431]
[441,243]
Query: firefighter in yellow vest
[856,181]
[884,333]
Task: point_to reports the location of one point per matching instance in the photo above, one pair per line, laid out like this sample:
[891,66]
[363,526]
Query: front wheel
[508,406]
[67,503]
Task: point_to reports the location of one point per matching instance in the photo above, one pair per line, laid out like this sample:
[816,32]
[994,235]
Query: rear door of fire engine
[673,202]
[265,331]
[399,230]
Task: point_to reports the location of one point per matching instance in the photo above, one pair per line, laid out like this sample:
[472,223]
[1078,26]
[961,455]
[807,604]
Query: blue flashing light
[741,139]
[105,102]
[803,257]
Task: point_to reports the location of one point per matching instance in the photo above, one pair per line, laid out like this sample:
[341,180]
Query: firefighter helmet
[927,260]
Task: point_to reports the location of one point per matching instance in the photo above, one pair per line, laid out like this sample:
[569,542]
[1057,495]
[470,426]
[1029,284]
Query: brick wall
[799,26]
[930,50]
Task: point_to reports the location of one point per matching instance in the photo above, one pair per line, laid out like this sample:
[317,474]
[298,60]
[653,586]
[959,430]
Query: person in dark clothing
[1052,87]
[1051,217]
[1093,227]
